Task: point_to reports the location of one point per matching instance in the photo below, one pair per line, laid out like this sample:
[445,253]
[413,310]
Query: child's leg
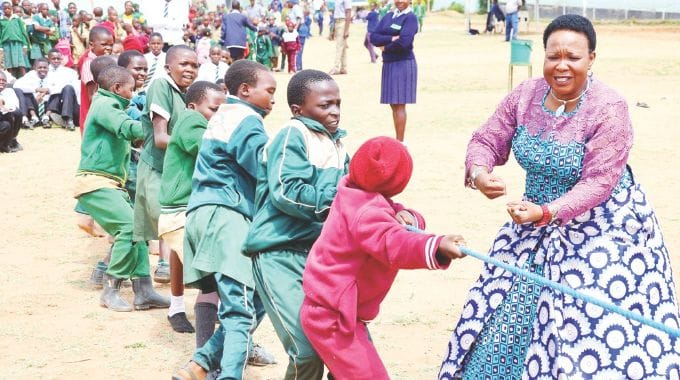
[174,240]
[347,355]
[232,341]
[205,311]
[291,61]
[278,278]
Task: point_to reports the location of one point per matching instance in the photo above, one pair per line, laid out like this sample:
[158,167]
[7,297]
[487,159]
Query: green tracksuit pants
[278,280]
[112,209]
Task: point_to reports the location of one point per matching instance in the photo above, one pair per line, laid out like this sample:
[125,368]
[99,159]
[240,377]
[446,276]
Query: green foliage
[460,8]
[481,5]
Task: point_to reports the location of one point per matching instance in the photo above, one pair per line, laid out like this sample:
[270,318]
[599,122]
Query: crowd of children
[169,155]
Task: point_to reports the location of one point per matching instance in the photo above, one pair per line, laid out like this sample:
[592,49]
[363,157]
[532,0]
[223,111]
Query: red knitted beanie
[381,165]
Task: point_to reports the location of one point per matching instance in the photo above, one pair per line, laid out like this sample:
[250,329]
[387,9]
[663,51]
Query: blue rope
[673,332]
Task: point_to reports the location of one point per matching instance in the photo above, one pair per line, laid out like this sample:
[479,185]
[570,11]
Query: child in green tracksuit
[203,99]
[100,180]
[165,100]
[218,215]
[297,181]
[263,46]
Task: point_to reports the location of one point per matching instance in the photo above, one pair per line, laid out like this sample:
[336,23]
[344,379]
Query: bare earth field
[52,327]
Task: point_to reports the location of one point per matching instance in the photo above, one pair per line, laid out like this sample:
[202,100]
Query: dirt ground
[52,327]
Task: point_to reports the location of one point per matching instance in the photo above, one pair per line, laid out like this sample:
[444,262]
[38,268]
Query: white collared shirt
[398,13]
[30,82]
[209,71]
[11,101]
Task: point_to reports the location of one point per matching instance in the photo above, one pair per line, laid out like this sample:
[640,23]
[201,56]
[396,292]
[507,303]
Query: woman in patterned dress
[584,222]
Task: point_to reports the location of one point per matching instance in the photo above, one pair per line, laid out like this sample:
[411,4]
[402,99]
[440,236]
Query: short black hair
[114,74]
[242,71]
[155,34]
[174,50]
[39,60]
[575,23]
[125,57]
[198,90]
[298,87]
[53,50]
[99,31]
[99,64]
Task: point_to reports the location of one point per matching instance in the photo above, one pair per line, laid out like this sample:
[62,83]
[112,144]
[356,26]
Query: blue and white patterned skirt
[614,252]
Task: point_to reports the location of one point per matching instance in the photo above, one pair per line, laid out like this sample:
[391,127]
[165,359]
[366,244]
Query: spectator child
[290,45]
[14,40]
[263,46]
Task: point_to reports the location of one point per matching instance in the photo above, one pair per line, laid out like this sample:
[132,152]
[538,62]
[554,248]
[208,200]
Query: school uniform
[105,152]
[211,72]
[63,99]
[296,184]
[178,168]
[79,40]
[233,36]
[85,78]
[165,99]
[14,39]
[28,84]
[264,50]
[156,68]
[40,41]
[290,45]
[218,216]
[10,120]
[400,71]
[349,272]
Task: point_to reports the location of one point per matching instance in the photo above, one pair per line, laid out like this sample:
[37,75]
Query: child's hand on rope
[406,218]
[449,247]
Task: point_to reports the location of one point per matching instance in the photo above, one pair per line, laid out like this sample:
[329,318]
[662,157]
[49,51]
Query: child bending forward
[353,264]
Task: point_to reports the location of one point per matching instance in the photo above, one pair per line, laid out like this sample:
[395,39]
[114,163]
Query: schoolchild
[296,184]
[100,178]
[203,98]
[219,213]
[354,262]
[164,103]
[101,43]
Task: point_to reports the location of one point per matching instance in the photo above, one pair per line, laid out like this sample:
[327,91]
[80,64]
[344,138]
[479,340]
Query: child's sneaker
[33,122]
[162,273]
[260,357]
[45,121]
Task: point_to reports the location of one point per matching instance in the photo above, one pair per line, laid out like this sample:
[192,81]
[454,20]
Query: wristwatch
[473,176]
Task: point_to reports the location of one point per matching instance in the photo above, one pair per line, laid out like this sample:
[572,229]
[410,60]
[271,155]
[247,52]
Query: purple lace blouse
[601,122]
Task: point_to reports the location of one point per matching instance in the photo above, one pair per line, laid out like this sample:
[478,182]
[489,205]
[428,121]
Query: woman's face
[566,63]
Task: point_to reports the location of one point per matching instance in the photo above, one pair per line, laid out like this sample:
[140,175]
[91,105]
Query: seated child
[218,216]
[203,98]
[296,184]
[355,260]
[105,152]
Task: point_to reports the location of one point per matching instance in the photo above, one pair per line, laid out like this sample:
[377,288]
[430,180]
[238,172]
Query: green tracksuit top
[105,149]
[296,183]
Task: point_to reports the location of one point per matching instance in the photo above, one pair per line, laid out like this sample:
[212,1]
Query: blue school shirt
[405,25]
[372,19]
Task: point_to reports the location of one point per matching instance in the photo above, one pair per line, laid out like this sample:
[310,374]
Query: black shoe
[180,323]
[4,149]
[111,295]
[14,146]
[145,296]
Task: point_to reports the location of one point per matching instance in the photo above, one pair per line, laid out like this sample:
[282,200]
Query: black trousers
[27,102]
[65,104]
[10,124]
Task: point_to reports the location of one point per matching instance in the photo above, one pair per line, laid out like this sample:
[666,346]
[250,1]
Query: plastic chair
[520,55]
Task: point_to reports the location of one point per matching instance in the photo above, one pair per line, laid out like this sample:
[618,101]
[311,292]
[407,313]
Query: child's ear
[295,109]
[244,90]
[167,68]
[191,106]
[116,88]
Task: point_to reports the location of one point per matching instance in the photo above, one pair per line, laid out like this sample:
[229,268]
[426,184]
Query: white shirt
[171,27]
[11,101]
[340,7]
[30,82]
[512,6]
[58,78]
[160,65]
[211,72]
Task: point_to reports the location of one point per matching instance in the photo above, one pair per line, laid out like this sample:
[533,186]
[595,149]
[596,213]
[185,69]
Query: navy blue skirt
[399,82]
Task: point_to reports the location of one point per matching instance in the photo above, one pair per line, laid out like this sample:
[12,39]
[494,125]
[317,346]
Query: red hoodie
[355,260]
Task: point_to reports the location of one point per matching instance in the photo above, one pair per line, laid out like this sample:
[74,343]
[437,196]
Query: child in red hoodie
[355,260]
